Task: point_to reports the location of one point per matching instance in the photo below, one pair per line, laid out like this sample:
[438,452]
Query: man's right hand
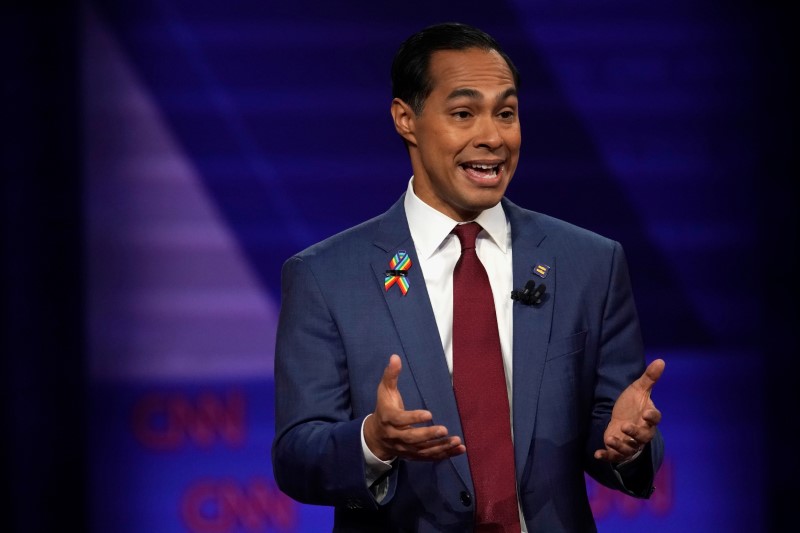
[392,431]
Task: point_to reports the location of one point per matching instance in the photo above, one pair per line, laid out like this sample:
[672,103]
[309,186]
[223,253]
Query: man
[374,414]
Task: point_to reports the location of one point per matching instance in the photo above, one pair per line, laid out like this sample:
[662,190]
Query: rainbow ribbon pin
[399,264]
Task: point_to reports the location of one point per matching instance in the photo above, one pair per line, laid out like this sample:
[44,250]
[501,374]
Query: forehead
[470,68]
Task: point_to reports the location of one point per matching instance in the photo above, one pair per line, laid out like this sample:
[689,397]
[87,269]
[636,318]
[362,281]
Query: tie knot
[467,233]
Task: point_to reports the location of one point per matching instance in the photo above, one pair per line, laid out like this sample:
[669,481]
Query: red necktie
[480,387]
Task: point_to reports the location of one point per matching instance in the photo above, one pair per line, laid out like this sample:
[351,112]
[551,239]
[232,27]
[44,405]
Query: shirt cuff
[375,467]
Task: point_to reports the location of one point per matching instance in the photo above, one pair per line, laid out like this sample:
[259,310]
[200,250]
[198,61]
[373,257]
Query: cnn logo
[225,506]
[169,421]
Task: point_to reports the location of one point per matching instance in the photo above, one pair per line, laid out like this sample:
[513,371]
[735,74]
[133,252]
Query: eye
[462,115]
[506,115]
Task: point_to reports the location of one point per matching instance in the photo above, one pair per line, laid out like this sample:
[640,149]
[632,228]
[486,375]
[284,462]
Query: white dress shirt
[438,251]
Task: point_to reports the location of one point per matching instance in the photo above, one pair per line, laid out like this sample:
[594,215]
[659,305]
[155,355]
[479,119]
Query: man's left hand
[633,419]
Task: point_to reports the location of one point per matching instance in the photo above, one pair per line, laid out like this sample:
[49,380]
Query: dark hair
[411,81]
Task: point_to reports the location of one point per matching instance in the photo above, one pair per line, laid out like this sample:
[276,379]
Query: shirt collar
[429,227]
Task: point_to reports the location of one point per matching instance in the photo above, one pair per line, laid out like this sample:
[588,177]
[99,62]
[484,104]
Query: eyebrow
[476,95]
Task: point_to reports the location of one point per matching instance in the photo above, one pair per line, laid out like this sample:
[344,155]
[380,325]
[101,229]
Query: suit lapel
[416,326]
[531,327]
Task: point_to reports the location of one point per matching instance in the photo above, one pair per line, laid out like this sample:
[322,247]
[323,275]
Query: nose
[487,134]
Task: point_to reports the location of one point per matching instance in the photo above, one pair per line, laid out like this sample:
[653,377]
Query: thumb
[392,372]
[652,374]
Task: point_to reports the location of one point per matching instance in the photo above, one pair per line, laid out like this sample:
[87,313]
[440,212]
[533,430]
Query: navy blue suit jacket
[572,356]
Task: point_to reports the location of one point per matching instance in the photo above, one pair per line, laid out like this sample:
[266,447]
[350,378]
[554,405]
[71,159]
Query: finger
[631,432]
[425,450]
[613,444]
[447,454]
[416,437]
[637,431]
[600,454]
[624,445]
[443,449]
[639,437]
[631,446]
[402,419]
[392,372]
[652,417]
[426,440]
[652,374]
[608,455]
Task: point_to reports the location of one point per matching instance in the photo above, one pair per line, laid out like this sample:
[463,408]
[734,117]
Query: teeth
[486,171]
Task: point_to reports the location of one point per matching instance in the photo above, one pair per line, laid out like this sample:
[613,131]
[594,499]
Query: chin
[487,200]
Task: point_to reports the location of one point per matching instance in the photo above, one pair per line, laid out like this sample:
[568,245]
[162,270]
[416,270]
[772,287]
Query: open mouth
[482,170]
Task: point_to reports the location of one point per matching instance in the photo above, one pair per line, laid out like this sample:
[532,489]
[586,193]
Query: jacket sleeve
[620,362]
[316,454]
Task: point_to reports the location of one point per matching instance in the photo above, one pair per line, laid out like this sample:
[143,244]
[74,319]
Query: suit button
[466,499]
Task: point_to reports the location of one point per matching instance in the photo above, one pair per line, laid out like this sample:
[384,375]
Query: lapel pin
[541,270]
[398,266]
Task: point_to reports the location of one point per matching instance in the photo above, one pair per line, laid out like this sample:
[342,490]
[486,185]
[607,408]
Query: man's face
[464,146]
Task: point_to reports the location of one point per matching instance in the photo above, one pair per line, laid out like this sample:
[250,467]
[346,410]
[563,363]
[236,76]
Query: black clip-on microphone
[530,295]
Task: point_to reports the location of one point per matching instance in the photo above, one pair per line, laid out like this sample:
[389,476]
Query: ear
[404,120]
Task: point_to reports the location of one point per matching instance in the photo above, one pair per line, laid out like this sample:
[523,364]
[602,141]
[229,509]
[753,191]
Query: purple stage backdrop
[221,137]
